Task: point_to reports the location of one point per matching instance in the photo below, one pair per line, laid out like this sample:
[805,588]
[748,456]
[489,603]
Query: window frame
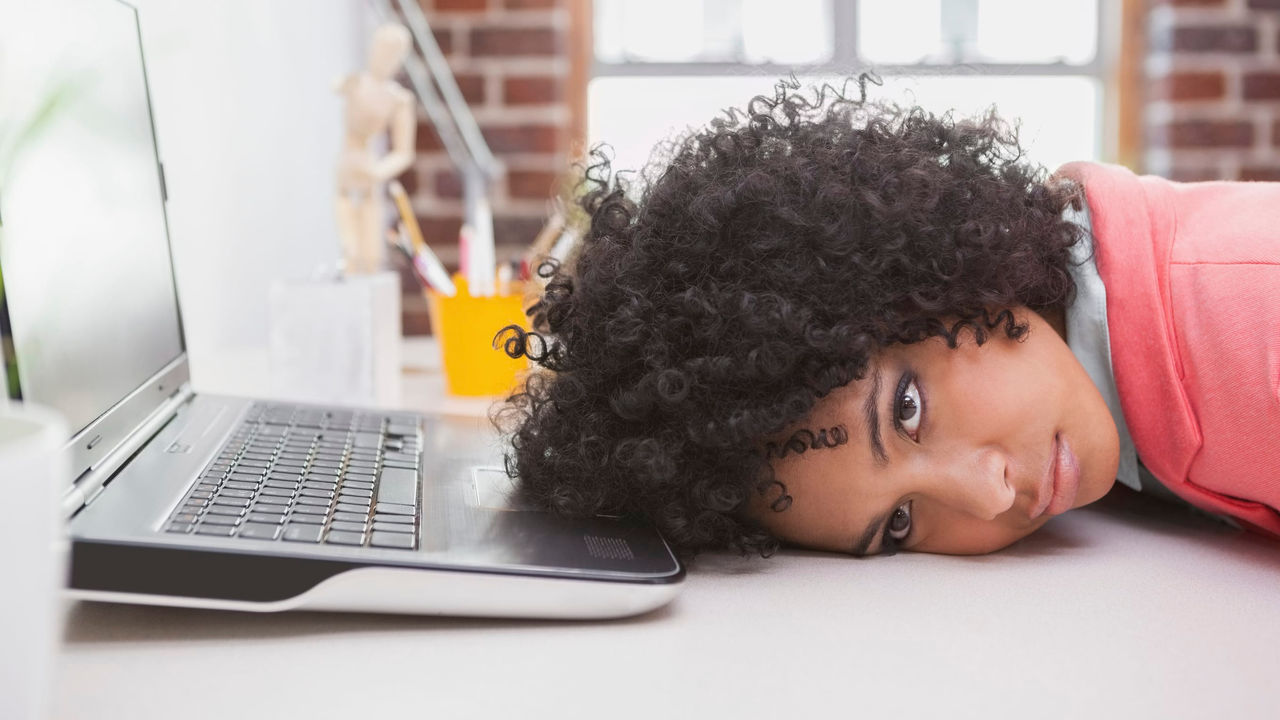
[1115,66]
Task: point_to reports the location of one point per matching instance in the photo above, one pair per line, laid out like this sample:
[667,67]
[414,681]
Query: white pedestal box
[337,340]
[33,556]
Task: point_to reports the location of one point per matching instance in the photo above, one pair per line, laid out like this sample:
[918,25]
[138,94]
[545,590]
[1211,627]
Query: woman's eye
[899,526]
[908,412]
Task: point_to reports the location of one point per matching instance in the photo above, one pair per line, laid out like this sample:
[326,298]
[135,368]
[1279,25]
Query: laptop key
[397,486]
[224,510]
[276,492]
[315,501]
[263,517]
[392,527]
[223,530]
[239,485]
[306,519]
[320,510]
[397,519]
[179,527]
[349,517]
[260,531]
[395,509]
[356,492]
[224,494]
[391,540]
[303,533]
[351,508]
[367,440]
[356,527]
[221,520]
[343,537]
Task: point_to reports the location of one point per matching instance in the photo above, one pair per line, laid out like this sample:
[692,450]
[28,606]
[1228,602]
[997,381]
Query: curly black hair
[766,259]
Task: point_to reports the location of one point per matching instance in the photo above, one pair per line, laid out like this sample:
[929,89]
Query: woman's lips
[1058,489]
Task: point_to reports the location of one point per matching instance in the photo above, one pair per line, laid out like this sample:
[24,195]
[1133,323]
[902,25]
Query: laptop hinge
[89,485]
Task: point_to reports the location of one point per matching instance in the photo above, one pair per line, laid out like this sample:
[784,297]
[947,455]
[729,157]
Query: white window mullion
[958,27]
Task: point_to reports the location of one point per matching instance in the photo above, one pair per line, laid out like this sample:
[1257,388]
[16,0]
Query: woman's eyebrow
[871,412]
[873,529]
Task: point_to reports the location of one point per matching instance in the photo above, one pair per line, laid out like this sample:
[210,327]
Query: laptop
[187,499]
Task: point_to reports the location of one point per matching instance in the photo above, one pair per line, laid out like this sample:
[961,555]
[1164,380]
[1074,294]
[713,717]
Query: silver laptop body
[169,498]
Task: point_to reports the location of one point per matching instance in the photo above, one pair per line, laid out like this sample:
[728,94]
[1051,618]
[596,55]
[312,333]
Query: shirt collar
[1089,341]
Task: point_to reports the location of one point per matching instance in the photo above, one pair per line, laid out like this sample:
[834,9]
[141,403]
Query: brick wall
[512,61]
[1213,103]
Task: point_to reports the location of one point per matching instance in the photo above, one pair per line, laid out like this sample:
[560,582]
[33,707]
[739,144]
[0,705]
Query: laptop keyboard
[311,475]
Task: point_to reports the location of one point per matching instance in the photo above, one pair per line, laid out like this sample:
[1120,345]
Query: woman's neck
[1057,319]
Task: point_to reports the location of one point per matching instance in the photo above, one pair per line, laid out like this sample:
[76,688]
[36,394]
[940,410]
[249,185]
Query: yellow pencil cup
[465,327]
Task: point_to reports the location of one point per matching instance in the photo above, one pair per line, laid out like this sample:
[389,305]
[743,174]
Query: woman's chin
[1095,491]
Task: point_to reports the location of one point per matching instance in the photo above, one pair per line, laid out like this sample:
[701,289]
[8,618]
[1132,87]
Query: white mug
[33,549]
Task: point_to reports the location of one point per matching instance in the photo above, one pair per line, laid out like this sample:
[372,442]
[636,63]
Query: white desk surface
[1122,611]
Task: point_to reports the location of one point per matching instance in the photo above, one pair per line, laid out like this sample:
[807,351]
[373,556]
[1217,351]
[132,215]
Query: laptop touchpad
[492,489]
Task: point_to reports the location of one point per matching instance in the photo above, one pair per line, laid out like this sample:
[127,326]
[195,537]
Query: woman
[857,327]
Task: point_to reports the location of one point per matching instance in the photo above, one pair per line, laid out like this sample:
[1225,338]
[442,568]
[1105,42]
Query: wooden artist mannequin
[375,104]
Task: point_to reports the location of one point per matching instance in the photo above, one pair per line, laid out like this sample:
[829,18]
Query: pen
[406,215]
[504,279]
[465,234]
[429,266]
[481,259]
[564,245]
[424,260]
[395,239]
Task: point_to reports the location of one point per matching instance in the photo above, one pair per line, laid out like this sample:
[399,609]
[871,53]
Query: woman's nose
[974,482]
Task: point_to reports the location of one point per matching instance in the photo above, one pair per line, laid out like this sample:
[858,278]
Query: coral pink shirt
[1192,273]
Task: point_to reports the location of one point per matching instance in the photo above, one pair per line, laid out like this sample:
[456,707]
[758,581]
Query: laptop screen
[84,257]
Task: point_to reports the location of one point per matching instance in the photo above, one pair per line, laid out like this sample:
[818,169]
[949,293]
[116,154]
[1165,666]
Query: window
[662,66]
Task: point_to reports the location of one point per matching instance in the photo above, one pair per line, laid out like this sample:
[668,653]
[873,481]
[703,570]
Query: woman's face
[956,451]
